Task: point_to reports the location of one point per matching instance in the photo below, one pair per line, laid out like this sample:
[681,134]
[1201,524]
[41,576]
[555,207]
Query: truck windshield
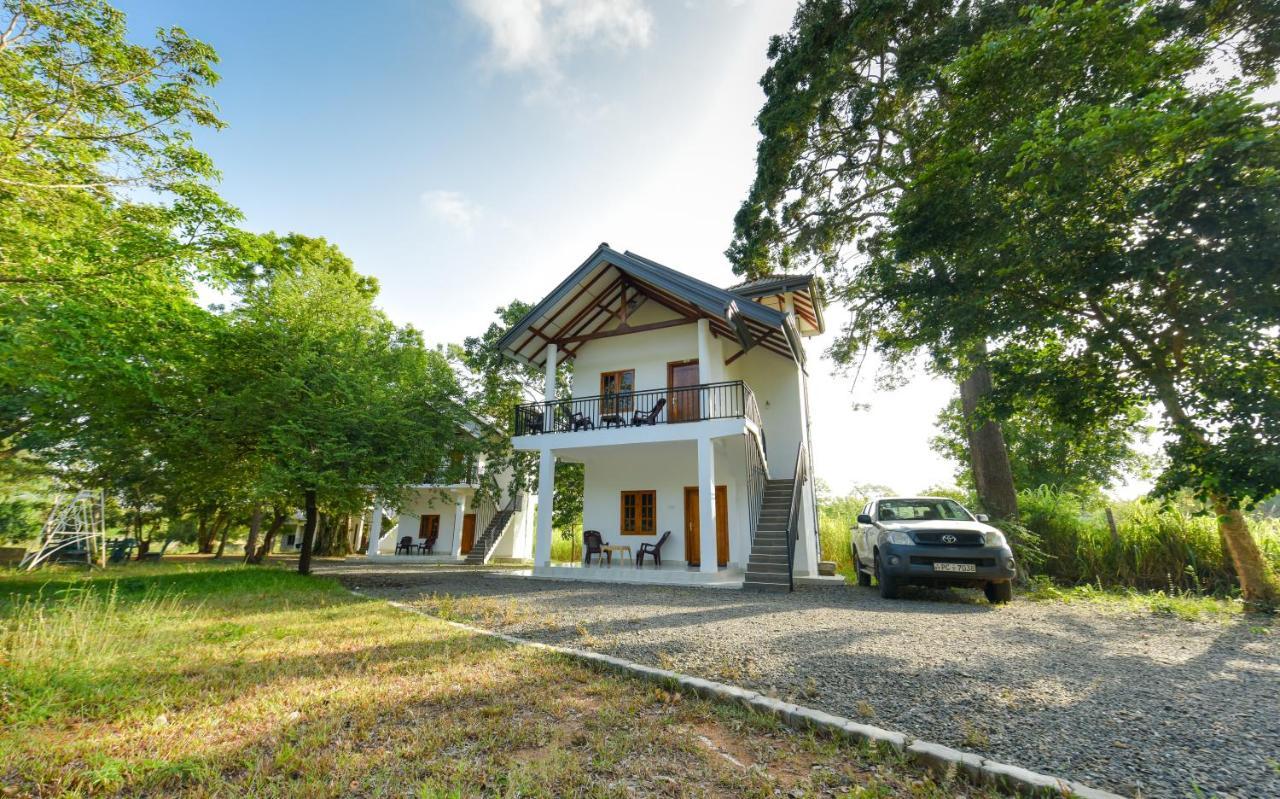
[922,510]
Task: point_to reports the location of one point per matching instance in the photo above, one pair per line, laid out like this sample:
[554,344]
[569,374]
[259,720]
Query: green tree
[837,150]
[1114,207]
[497,385]
[326,399]
[1045,451]
[107,220]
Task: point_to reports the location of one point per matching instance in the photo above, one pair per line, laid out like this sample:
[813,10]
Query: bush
[20,520]
[1157,546]
[836,518]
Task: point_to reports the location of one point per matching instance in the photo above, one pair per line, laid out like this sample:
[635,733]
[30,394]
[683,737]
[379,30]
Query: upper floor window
[616,390]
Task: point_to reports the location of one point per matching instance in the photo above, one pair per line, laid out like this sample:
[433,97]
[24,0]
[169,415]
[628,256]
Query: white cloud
[536,34]
[452,208]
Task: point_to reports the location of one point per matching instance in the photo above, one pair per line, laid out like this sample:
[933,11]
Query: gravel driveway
[1135,703]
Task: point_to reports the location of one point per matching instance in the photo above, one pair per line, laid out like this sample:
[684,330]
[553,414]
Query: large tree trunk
[277,521]
[988,456]
[309,533]
[222,540]
[204,538]
[255,527]
[324,536]
[1257,583]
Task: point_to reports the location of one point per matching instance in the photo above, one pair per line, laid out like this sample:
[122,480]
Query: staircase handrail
[757,478]
[793,526]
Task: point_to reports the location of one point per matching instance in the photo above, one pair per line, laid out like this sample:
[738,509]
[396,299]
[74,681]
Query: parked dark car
[931,541]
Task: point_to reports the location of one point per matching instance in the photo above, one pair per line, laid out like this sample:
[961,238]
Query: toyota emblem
[948,539]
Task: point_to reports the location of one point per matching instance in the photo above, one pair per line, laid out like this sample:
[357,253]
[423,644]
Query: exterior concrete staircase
[767,567]
[482,548]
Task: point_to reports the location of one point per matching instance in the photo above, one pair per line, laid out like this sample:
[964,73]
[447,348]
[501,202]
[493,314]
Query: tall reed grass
[1066,537]
[1155,546]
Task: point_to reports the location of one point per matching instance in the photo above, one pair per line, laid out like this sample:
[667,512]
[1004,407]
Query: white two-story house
[689,413]
[447,518]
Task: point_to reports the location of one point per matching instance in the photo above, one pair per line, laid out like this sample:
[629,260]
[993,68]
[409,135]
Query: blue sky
[470,152]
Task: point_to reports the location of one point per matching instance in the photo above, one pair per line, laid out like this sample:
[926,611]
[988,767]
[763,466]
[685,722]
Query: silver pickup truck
[931,541]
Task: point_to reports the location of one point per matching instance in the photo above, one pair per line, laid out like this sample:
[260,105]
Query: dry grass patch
[206,680]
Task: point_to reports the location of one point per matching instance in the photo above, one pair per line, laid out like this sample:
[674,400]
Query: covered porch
[437,524]
[643,496]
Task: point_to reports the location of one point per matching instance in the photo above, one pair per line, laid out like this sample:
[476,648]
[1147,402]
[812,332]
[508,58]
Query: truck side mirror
[982,517]
[864,518]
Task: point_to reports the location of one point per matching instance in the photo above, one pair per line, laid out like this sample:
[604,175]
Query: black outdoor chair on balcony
[406,545]
[532,421]
[582,422]
[650,417]
[592,542]
[652,550]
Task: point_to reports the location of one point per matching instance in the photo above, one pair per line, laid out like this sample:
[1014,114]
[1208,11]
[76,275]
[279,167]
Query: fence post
[1111,523]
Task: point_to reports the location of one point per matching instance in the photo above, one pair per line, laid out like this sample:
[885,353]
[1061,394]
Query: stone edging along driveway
[936,757]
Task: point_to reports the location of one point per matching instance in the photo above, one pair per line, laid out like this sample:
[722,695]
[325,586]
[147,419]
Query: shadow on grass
[372,701]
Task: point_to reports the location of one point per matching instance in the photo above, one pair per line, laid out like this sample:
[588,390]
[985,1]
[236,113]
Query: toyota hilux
[933,541]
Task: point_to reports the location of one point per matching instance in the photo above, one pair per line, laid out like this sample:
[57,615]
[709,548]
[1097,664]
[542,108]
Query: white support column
[546,493]
[549,381]
[704,351]
[459,506]
[375,529]
[707,505]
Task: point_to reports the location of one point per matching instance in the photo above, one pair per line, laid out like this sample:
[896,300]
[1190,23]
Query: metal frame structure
[75,524]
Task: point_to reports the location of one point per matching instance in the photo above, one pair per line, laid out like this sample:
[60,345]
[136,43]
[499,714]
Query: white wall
[776,383]
[518,542]
[648,353]
[666,469]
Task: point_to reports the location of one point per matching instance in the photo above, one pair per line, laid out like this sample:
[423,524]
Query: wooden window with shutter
[639,512]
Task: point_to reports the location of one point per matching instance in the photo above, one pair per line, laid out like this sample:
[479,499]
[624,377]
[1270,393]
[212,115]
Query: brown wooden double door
[693,526]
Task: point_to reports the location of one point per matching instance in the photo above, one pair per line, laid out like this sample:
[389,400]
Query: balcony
[639,409]
[454,471]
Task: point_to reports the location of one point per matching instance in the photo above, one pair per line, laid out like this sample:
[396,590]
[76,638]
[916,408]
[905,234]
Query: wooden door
[468,533]
[693,526]
[683,405]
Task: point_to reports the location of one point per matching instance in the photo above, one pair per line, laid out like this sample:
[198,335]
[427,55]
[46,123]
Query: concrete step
[766,568]
[766,585]
[767,557]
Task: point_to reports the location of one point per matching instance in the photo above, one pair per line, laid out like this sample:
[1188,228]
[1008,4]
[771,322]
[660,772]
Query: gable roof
[806,292]
[771,284]
[583,305]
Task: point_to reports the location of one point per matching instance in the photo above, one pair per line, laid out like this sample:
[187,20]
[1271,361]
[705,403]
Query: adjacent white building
[447,518]
[689,412]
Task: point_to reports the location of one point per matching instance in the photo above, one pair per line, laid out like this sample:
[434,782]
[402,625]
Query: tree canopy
[1084,190]
[112,373]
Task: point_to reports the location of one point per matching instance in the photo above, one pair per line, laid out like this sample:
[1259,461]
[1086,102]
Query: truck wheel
[888,584]
[864,576]
[998,593]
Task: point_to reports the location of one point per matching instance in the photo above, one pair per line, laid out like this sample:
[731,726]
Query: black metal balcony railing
[732,399]
[453,473]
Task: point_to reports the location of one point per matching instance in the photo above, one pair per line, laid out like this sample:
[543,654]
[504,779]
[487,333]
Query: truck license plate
[954,567]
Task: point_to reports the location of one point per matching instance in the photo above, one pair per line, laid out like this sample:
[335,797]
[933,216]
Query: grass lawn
[206,680]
